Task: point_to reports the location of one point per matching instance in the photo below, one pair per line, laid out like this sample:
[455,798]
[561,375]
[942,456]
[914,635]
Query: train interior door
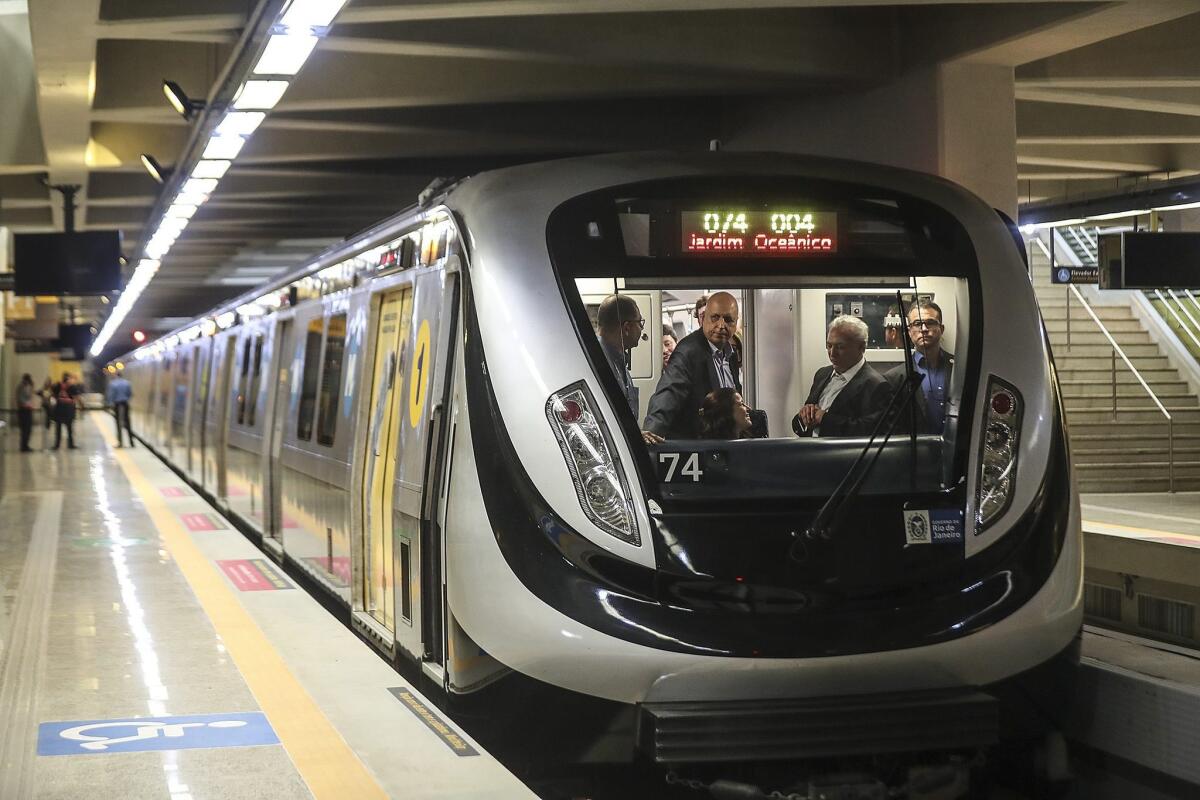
[283,349]
[374,596]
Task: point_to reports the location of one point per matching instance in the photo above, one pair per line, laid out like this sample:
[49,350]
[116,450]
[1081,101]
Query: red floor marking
[198,522]
[173,491]
[252,575]
[288,522]
[235,491]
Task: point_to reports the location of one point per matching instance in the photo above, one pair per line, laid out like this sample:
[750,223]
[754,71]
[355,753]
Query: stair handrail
[1118,351]
[1189,330]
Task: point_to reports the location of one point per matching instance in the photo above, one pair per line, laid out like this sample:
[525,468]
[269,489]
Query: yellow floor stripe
[1135,529]
[324,760]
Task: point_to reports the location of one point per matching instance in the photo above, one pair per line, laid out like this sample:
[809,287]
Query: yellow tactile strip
[323,759]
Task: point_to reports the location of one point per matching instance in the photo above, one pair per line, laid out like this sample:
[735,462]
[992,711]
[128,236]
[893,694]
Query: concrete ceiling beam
[1087,26]
[64,46]
[1152,47]
[1104,100]
[1086,164]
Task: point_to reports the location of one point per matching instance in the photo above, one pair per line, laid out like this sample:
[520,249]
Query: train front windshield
[754,340]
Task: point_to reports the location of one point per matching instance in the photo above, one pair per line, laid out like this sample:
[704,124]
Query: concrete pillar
[957,120]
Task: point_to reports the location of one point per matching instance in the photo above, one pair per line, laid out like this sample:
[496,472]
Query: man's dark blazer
[674,410]
[857,407]
[896,377]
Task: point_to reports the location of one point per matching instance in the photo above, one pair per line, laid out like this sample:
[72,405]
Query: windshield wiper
[823,524]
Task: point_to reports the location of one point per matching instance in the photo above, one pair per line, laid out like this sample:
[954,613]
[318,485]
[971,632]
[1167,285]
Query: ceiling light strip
[282,39]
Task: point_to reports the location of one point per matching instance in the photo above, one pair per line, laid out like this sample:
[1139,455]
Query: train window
[255,381]
[803,395]
[331,380]
[243,387]
[308,385]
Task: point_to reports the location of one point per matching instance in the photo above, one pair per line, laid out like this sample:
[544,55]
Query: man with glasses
[619,322]
[848,396]
[703,360]
[931,362]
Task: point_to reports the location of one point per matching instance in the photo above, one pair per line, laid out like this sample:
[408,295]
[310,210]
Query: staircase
[1130,453]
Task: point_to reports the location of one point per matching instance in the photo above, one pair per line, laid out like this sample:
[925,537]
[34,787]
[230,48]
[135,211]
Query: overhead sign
[731,231]
[1064,274]
[90,737]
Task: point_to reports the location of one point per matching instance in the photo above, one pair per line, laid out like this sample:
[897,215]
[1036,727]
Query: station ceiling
[400,92]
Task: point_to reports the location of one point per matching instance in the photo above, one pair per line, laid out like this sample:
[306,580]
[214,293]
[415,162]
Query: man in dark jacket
[65,392]
[847,397]
[703,360]
[932,363]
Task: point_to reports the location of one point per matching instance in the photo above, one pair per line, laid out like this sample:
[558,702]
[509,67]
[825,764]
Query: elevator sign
[733,232]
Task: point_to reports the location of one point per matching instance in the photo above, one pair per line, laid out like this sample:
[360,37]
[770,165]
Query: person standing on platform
[26,403]
[65,392]
[120,391]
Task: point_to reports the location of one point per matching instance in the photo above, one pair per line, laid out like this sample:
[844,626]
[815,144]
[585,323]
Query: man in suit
[703,360]
[847,397]
[931,362]
[619,322]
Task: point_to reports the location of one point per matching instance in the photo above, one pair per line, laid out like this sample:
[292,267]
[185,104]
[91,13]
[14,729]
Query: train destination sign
[774,232]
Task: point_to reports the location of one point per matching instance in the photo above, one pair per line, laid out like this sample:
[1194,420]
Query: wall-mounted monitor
[75,337]
[87,262]
[1149,261]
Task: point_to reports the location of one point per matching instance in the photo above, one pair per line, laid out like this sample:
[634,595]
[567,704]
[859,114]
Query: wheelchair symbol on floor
[143,729]
[103,736]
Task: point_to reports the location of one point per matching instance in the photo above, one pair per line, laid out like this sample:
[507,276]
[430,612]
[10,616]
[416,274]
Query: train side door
[418,557]
[273,487]
[216,480]
[375,592]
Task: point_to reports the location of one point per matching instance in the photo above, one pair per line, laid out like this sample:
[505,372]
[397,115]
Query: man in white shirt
[847,397]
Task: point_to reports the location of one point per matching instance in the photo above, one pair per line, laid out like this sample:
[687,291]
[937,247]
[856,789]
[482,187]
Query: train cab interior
[782,332]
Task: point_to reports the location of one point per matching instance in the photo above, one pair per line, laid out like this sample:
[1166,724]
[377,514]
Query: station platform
[1150,516]
[148,649]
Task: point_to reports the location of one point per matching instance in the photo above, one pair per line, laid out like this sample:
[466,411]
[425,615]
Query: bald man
[703,360]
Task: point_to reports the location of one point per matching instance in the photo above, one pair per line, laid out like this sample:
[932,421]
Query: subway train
[422,420]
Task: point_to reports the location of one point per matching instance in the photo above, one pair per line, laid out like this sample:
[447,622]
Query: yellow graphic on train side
[418,381]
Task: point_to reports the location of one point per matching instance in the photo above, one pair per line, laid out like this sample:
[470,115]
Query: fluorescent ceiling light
[181,210]
[259,95]
[224,147]
[311,13]
[199,185]
[155,249]
[1180,207]
[285,54]
[172,226]
[1057,223]
[1118,214]
[211,168]
[239,123]
[190,199]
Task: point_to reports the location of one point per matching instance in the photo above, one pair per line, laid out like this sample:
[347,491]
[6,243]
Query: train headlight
[588,449]
[998,456]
